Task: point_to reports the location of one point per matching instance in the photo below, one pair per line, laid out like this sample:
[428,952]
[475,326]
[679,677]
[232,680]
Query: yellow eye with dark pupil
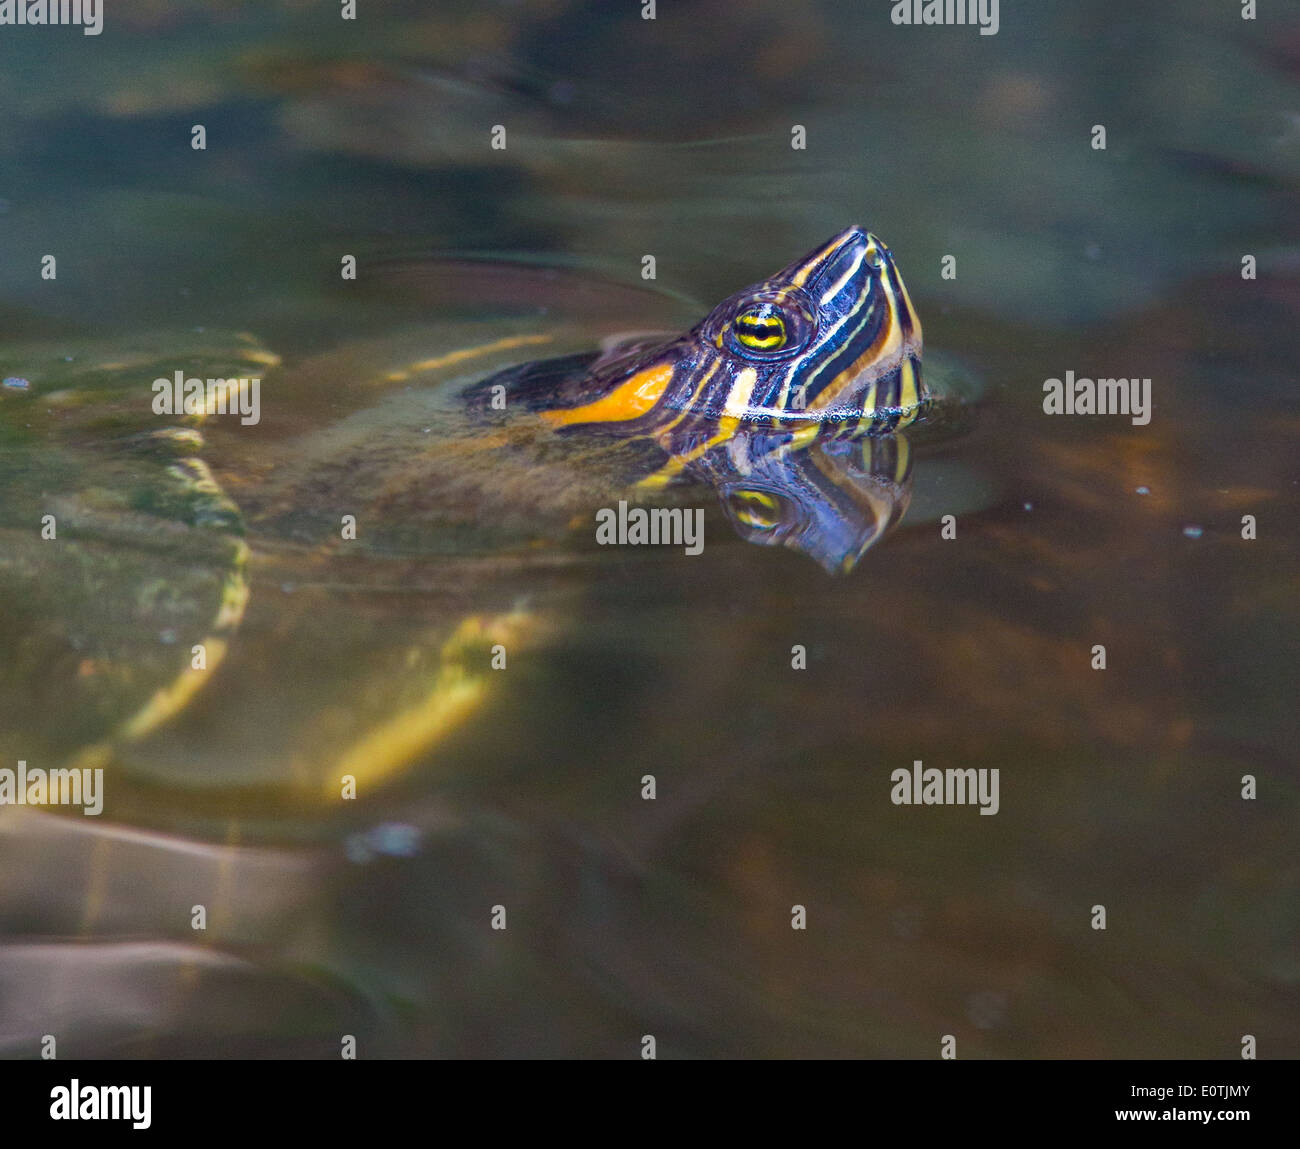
[760,330]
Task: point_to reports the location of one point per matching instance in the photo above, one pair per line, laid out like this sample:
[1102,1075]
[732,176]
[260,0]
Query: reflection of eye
[755,509]
[760,329]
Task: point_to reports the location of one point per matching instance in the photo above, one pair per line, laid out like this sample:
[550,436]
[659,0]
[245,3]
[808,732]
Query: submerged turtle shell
[196,568]
[118,550]
[234,622]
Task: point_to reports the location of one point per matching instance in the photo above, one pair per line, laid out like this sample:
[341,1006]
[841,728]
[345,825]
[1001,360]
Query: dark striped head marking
[831,339]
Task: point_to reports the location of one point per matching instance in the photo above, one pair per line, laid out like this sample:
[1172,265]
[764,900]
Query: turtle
[243,625]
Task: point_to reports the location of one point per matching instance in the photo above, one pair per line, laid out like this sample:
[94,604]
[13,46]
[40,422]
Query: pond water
[770,701]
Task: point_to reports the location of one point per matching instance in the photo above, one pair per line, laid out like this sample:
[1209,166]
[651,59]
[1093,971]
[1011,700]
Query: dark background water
[1119,787]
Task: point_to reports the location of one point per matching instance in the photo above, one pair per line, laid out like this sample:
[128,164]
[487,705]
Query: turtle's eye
[760,328]
[764,322]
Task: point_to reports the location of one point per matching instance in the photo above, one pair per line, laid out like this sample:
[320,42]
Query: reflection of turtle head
[831,500]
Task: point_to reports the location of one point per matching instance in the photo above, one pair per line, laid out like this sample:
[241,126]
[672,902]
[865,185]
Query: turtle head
[833,337]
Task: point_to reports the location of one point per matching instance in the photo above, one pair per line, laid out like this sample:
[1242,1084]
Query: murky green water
[522,787]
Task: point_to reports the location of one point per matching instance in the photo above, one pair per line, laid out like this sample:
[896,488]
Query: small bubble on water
[1193,532]
[396,839]
[15,383]
[167,637]
[1144,490]
[357,849]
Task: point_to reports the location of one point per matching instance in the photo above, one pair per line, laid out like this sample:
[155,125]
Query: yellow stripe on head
[911,311]
[742,390]
[908,392]
[801,276]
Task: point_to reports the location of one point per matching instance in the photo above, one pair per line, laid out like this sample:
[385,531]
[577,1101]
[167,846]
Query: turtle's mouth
[829,416]
[867,360]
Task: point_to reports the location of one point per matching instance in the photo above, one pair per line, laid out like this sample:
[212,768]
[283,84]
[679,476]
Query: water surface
[1119,787]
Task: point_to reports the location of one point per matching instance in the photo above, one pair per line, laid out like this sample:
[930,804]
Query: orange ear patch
[629,400]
